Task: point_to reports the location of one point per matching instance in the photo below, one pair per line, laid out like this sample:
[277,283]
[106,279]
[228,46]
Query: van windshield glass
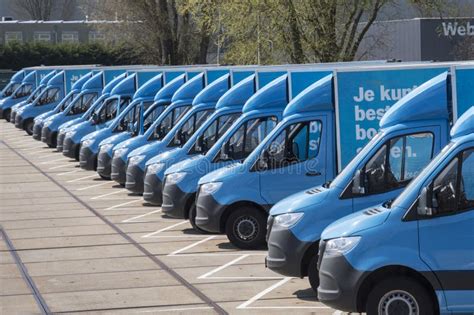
[48,96]
[23,91]
[152,115]
[10,89]
[167,123]
[35,94]
[65,103]
[82,104]
[189,127]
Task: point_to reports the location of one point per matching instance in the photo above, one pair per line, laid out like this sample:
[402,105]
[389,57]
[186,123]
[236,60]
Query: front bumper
[152,189]
[285,252]
[70,148]
[47,136]
[104,164]
[60,141]
[209,213]
[87,159]
[12,116]
[19,121]
[174,201]
[37,131]
[339,282]
[119,170]
[134,179]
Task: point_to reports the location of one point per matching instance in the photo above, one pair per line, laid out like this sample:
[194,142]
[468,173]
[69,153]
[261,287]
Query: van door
[446,236]
[295,159]
[399,160]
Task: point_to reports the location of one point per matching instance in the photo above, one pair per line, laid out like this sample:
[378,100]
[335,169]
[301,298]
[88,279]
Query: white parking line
[164,229]
[123,204]
[264,292]
[52,161]
[81,178]
[59,166]
[68,173]
[191,246]
[141,216]
[204,276]
[93,186]
[108,194]
[177,309]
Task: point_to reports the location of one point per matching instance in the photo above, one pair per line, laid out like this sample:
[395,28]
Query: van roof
[95,82]
[57,79]
[214,91]
[428,101]
[81,81]
[109,86]
[272,96]
[47,77]
[464,125]
[150,87]
[188,91]
[237,95]
[30,78]
[318,96]
[127,86]
[165,94]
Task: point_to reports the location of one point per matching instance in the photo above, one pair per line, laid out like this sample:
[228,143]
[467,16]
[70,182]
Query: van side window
[453,189]
[189,127]
[152,115]
[296,143]
[167,123]
[49,96]
[397,162]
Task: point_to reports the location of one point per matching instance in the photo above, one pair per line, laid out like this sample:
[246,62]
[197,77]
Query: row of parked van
[358,175]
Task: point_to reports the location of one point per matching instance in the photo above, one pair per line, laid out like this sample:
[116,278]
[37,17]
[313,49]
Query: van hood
[301,201]
[357,222]
[163,156]
[187,165]
[130,142]
[223,173]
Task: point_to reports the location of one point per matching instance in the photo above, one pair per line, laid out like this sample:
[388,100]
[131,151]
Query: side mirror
[424,208]
[200,143]
[178,137]
[224,154]
[357,187]
[263,160]
[95,117]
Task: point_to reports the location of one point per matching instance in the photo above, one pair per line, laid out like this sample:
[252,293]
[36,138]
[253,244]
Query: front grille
[372,211]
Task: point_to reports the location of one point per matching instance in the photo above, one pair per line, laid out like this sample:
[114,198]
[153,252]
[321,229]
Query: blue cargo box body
[464,92]
[19,95]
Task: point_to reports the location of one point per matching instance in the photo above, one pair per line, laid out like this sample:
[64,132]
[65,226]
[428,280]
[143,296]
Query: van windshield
[82,104]
[167,123]
[111,108]
[48,96]
[10,89]
[65,103]
[23,91]
[152,115]
[35,94]
[189,127]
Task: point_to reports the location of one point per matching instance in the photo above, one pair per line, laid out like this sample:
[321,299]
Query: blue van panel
[148,89]
[126,86]
[145,76]
[263,78]
[190,89]
[81,81]
[213,91]
[171,75]
[300,80]
[214,74]
[110,75]
[237,76]
[273,95]
[464,89]
[71,76]
[167,92]
[192,74]
[362,99]
[464,125]
[238,94]
[96,82]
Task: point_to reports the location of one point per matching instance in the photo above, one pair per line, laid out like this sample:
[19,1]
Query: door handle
[313,174]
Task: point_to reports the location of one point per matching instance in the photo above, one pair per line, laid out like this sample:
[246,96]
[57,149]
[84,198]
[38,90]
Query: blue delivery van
[74,133]
[263,104]
[14,83]
[202,100]
[57,88]
[228,109]
[120,97]
[414,255]
[125,121]
[27,86]
[89,92]
[142,121]
[404,144]
[41,85]
[61,107]
[170,114]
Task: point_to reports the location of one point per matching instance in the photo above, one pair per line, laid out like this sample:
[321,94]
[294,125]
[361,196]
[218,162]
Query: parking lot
[71,243]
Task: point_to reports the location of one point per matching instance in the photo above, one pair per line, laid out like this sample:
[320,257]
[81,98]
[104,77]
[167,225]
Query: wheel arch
[390,271]
[188,204]
[242,203]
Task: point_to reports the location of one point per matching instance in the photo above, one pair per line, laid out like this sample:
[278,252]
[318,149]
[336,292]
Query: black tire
[313,273]
[29,126]
[7,115]
[54,140]
[246,228]
[192,219]
[104,177]
[77,153]
[50,145]
[397,295]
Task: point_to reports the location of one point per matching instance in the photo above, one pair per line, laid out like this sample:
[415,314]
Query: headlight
[288,219]
[155,168]
[210,188]
[119,152]
[87,143]
[341,246]
[70,134]
[106,147]
[173,178]
[136,159]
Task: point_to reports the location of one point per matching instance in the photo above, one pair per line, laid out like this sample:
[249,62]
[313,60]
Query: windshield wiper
[326,184]
[387,204]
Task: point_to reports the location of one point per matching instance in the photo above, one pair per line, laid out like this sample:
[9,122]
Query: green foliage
[19,55]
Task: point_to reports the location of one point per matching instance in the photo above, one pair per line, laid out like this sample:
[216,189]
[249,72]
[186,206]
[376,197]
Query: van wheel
[29,126]
[313,273]
[7,115]
[246,228]
[54,140]
[399,295]
[192,219]
[104,177]
[77,153]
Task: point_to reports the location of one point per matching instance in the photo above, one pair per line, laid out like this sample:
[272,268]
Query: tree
[36,9]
